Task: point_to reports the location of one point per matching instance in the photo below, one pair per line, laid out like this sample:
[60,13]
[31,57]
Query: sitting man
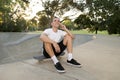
[55,41]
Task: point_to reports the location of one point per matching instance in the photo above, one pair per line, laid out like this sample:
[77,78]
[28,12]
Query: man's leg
[49,50]
[68,42]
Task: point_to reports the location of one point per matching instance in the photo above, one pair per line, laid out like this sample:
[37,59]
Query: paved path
[99,57]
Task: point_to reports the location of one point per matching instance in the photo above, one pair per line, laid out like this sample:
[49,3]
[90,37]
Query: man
[55,41]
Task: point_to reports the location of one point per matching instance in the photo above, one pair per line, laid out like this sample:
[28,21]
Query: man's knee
[67,39]
[47,45]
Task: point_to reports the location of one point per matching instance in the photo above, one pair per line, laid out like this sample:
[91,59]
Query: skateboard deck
[42,57]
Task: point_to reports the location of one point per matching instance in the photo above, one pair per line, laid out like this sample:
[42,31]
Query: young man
[55,41]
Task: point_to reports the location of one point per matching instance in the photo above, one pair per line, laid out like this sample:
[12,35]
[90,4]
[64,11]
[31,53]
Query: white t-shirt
[55,36]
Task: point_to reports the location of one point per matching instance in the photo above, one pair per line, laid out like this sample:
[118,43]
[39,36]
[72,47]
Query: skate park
[98,55]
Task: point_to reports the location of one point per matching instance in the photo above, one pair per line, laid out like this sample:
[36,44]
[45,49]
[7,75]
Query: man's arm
[45,38]
[63,27]
[69,33]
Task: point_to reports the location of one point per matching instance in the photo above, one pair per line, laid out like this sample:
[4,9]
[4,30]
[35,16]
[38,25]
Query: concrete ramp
[44,70]
[18,46]
[22,46]
[100,59]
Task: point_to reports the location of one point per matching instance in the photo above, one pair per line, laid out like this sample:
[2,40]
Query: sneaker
[59,67]
[74,63]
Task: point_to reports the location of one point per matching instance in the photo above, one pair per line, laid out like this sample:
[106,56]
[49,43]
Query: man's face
[56,22]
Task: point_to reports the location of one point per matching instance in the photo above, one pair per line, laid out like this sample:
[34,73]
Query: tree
[43,22]
[105,13]
[58,7]
[113,24]
[83,21]
[69,24]
[12,14]
[4,10]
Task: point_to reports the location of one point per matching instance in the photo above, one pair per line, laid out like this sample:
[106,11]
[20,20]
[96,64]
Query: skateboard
[42,57]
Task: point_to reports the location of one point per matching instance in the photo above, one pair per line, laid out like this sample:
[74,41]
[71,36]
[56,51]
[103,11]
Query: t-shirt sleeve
[46,31]
[63,33]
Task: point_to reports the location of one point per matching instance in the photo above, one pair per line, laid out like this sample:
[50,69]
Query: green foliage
[69,24]
[59,7]
[102,15]
[83,21]
[12,14]
[43,22]
[11,19]
[110,10]
[113,24]
[4,10]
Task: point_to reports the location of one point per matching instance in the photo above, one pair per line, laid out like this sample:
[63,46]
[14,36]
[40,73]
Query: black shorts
[62,48]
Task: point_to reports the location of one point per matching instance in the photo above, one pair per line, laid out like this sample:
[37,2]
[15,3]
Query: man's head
[55,22]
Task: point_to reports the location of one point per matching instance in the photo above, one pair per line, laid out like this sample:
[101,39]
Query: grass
[81,32]
[93,33]
[84,32]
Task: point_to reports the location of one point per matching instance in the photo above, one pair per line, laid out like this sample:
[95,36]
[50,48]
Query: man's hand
[56,46]
[63,27]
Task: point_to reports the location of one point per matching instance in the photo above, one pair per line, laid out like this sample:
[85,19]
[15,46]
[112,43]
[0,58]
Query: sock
[70,56]
[55,60]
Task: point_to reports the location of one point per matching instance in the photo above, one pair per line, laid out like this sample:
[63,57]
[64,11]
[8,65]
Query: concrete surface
[100,59]
[21,46]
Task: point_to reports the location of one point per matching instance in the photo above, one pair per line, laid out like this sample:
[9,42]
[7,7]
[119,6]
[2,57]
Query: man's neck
[54,29]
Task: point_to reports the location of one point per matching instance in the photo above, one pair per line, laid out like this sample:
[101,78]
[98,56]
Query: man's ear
[51,23]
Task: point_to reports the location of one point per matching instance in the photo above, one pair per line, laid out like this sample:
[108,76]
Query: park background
[21,24]
[80,16]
